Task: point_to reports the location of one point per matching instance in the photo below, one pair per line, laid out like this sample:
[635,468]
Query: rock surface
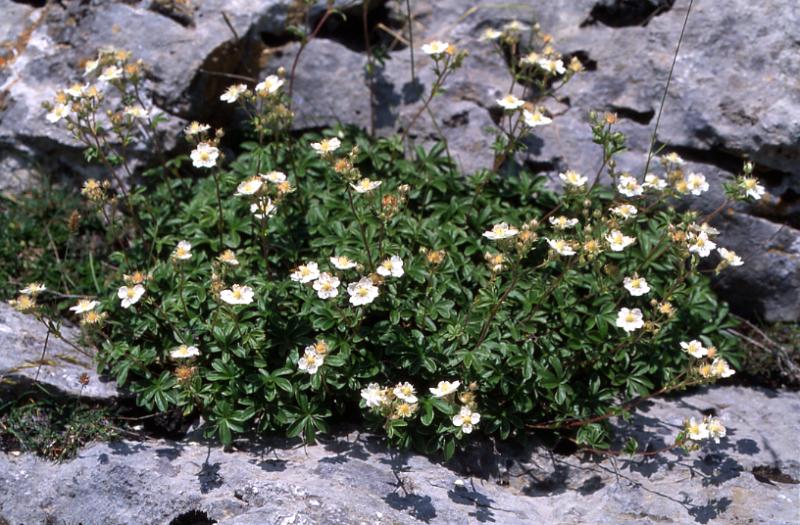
[22,339]
[749,477]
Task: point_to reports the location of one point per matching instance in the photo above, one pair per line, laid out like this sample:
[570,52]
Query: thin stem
[220,221]
[411,40]
[666,89]
[362,229]
[434,89]
[496,308]
[44,351]
[303,45]
[368,49]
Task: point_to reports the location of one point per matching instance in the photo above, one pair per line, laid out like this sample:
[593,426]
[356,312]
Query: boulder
[22,340]
[749,477]
[190,50]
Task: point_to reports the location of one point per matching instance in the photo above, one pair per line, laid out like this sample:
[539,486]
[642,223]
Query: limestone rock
[22,340]
[749,477]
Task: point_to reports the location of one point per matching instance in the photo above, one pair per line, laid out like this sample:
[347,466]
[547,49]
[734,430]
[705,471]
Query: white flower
[500,231]
[33,289]
[715,428]
[249,187]
[694,348]
[269,85]
[327,286]
[626,211]
[90,66]
[362,292]
[326,146]
[76,90]
[343,262]
[530,59]
[136,111]
[262,209]
[721,368]
[58,112]
[629,186]
[110,73]
[204,155]
[654,182]
[552,66]
[365,185]
[392,266]
[233,93]
[561,246]
[510,102]
[573,178]
[311,360]
[636,285]
[535,118]
[435,48]
[696,183]
[618,241]
[490,33]
[630,320]
[706,228]
[514,26]
[195,128]
[373,395]
[445,388]
[406,392]
[305,273]
[752,188]
[229,258]
[237,295]
[183,252]
[701,244]
[275,177]
[672,158]
[183,352]
[697,430]
[730,257]
[562,223]
[83,306]
[130,295]
[466,419]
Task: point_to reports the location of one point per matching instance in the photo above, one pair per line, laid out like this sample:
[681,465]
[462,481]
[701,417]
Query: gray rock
[767,286]
[188,59]
[354,479]
[22,340]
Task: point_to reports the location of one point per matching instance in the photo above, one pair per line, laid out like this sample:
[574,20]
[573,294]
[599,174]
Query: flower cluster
[402,402]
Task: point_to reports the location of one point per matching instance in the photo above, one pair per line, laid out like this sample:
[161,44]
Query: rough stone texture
[354,479]
[187,51]
[22,339]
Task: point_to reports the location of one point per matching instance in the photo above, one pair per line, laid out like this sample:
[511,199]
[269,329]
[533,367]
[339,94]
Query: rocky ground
[750,477]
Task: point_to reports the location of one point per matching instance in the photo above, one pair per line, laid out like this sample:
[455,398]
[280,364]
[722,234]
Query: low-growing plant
[314,276]
[51,428]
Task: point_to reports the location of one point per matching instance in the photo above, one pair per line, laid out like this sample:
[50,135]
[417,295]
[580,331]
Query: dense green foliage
[535,342]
